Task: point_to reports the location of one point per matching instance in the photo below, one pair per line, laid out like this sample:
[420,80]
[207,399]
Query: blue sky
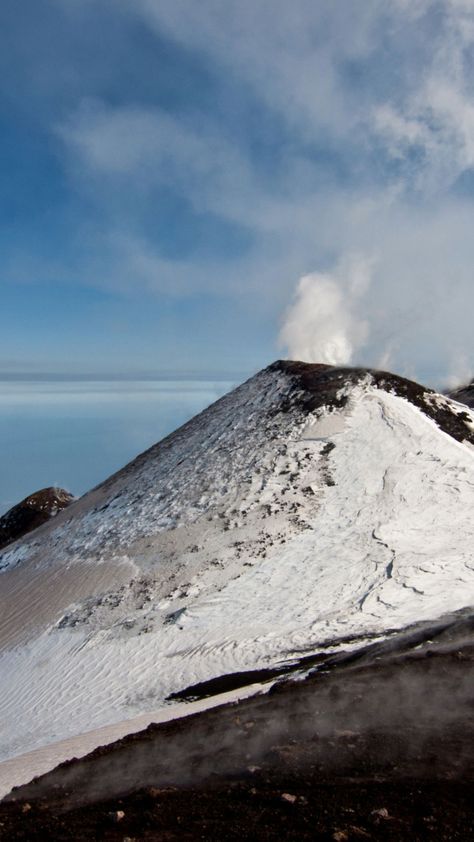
[171,170]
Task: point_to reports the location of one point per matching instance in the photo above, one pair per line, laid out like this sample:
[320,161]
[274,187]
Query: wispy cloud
[432,123]
[147,147]
[329,130]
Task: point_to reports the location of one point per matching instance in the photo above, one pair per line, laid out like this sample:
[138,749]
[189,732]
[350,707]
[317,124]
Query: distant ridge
[31,512]
[464,394]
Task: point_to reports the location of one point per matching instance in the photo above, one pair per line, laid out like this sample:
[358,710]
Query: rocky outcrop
[33,511]
[464,394]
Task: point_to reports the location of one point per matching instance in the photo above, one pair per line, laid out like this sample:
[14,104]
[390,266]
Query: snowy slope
[310,509]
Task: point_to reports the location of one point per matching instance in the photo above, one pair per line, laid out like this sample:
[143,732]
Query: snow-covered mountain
[309,510]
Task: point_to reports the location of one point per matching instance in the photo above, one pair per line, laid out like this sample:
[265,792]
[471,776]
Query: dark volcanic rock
[464,394]
[378,748]
[316,386]
[33,511]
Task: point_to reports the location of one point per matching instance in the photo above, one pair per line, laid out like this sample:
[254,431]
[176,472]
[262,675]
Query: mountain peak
[329,386]
[310,510]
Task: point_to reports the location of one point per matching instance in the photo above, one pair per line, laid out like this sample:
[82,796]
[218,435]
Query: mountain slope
[311,509]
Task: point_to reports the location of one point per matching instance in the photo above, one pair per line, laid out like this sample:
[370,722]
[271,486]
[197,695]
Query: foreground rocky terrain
[374,745]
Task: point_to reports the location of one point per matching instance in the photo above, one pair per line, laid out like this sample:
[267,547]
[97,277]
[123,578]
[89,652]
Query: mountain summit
[308,511]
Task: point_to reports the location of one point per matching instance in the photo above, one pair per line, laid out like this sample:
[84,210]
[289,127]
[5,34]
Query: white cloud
[290,54]
[434,114]
[146,147]
[406,128]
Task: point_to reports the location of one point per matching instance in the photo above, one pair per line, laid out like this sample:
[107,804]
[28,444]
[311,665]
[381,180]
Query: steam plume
[321,324]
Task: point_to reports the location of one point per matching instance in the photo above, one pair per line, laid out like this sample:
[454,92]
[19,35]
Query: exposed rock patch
[317,386]
[464,394]
[33,511]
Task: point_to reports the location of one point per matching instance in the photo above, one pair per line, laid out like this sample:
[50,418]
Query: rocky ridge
[33,511]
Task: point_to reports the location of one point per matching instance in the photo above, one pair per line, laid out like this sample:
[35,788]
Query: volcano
[309,513]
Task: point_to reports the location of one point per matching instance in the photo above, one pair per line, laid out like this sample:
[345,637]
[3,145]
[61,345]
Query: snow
[21,769]
[247,538]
